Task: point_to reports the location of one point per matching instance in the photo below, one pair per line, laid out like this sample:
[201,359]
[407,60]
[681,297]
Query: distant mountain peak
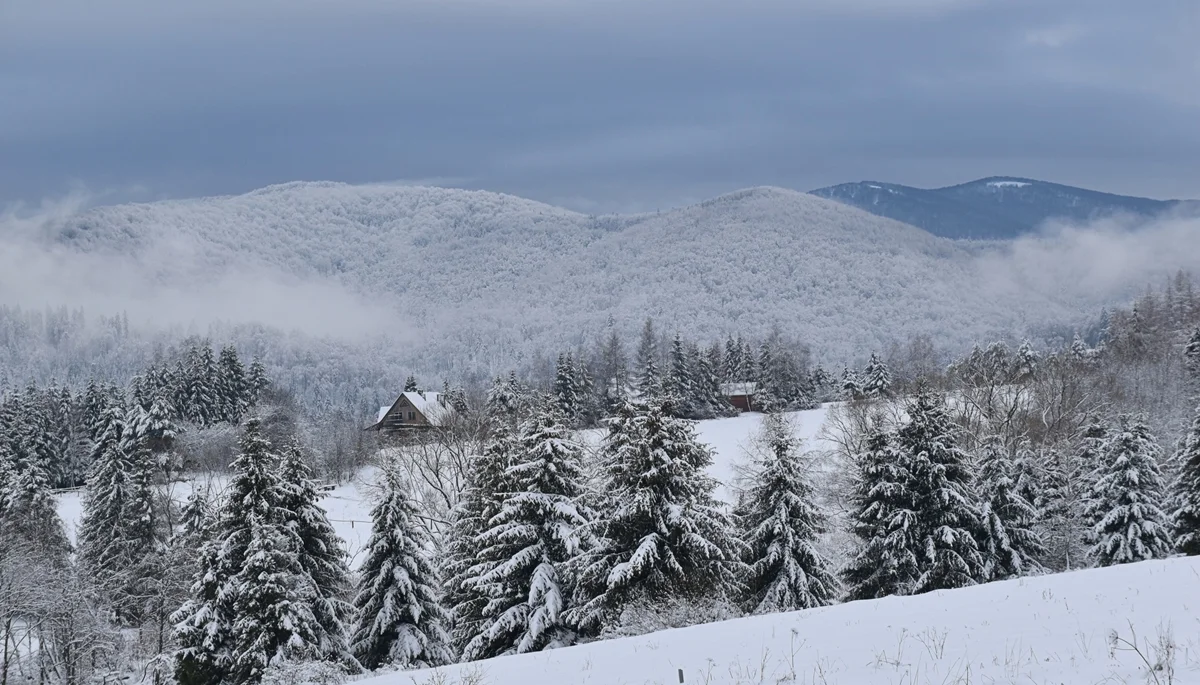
[992,208]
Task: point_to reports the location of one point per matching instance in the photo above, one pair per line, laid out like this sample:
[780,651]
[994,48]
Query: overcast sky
[599,105]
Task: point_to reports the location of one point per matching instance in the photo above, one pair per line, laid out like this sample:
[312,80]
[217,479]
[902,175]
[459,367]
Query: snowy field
[349,504]
[1044,630]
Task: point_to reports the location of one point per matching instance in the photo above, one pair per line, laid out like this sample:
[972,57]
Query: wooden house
[414,411]
[741,395]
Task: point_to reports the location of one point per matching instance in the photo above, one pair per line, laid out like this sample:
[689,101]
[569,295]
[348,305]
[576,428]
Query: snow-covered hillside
[1047,630]
[492,278]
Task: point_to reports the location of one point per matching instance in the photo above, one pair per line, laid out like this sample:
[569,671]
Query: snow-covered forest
[574,501]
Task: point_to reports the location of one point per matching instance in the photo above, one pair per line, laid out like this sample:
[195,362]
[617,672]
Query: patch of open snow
[1047,629]
[1008,184]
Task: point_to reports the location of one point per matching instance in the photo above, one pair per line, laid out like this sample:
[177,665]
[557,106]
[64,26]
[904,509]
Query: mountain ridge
[992,208]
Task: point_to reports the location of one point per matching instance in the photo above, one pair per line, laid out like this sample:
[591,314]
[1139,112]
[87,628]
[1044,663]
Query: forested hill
[999,207]
[486,279]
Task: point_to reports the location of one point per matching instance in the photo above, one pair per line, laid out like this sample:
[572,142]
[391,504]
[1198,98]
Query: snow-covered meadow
[1077,627]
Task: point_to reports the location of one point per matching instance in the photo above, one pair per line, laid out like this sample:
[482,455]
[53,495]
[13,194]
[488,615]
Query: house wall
[398,417]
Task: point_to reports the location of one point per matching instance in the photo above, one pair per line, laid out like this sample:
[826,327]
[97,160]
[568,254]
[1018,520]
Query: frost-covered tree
[1010,543]
[1191,357]
[251,598]
[613,377]
[877,379]
[103,544]
[662,533]
[566,391]
[779,523]
[486,483]
[852,384]
[321,554]
[649,381]
[256,382]
[231,386]
[401,620]
[945,502]
[677,385]
[529,543]
[1125,507]
[884,521]
[200,399]
[1186,492]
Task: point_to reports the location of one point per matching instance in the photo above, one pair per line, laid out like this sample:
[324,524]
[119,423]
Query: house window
[412,416]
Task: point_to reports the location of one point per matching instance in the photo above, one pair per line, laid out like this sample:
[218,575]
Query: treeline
[56,428]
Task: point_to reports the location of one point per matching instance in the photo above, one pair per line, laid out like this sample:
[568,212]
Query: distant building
[414,411]
[740,395]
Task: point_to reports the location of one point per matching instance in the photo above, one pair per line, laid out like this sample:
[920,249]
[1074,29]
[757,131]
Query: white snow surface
[1008,184]
[1038,631]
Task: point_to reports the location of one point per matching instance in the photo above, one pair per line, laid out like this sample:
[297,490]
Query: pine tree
[103,546]
[877,380]
[649,384]
[1127,521]
[884,521]
[768,395]
[1010,541]
[321,555]
[677,386]
[779,525]
[664,535]
[231,386]
[1186,517]
[251,595]
[537,532]
[566,394]
[410,384]
[733,361]
[1191,357]
[201,403]
[256,382]
[946,505]
[486,483]
[401,619]
[852,387]
[614,371]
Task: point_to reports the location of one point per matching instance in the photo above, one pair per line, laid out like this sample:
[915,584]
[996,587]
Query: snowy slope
[1034,631]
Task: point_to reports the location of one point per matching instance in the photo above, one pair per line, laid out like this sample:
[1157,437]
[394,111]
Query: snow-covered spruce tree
[321,555]
[877,379]
[1125,507]
[401,620]
[1186,493]
[677,384]
[648,381]
[852,385]
[200,401]
[1191,358]
[410,384]
[250,595]
[884,521]
[768,395]
[945,503]
[538,531]
[256,382]
[566,393]
[231,386]
[1010,541]
[778,524]
[103,545]
[486,483]
[662,535]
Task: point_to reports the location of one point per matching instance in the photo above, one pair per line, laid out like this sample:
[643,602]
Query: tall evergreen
[779,524]
[538,530]
[884,521]
[677,384]
[251,596]
[614,371]
[256,382]
[852,385]
[103,546]
[321,554]
[201,403]
[649,381]
[877,379]
[946,504]
[1125,508]
[486,483]
[1191,358]
[1186,491]
[566,392]
[410,384]
[663,534]
[401,620]
[1010,542]
[231,386]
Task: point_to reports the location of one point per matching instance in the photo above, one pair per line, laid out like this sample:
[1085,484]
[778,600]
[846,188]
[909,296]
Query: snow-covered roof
[382,413]
[431,405]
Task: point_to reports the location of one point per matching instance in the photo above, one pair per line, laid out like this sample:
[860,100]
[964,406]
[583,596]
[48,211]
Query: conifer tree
[1125,508]
[733,361]
[768,395]
[201,404]
[852,387]
[614,371]
[664,535]
[232,390]
[103,545]
[321,555]
[401,620]
[566,394]
[1010,542]
[677,386]
[251,596]
[779,524]
[486,483]
[884,521]
[649,383]
[945,503]
[256,382]
[410,384]
[1191,358]
[1186,491]
[877,379]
